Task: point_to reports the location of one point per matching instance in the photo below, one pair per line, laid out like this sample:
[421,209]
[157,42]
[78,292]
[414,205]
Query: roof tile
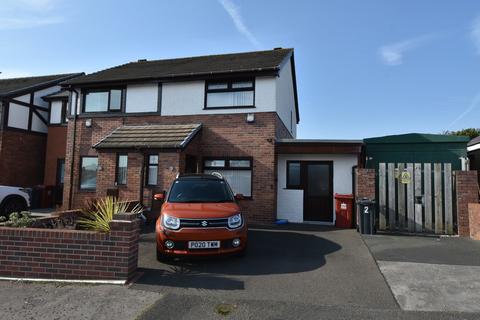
[149,137]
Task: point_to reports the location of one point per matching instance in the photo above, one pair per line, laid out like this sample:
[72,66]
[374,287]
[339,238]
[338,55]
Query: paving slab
[32,301]
[430,273]
[434,287]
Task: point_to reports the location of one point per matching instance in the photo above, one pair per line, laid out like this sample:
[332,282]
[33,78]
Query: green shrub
[18,220]
[99,214]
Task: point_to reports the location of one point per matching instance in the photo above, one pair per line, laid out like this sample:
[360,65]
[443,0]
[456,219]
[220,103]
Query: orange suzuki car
[200,216]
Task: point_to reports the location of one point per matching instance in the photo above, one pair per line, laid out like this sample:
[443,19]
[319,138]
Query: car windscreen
[200,190]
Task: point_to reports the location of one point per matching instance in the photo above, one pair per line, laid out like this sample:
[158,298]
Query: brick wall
[225,135]
[22,158]
[56,144]
[474,220]
[282,131]
[71,254]
[466,189]
[365,183]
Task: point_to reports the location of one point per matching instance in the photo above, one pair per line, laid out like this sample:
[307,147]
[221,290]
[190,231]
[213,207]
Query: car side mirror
[239,196]
[159,196]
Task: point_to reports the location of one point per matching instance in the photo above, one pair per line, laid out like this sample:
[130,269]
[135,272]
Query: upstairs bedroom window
[230,94]
[103,100]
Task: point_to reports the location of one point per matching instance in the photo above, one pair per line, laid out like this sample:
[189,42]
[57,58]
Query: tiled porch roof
[175,136]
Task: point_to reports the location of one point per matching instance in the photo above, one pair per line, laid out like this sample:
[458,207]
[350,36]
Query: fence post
[466,191]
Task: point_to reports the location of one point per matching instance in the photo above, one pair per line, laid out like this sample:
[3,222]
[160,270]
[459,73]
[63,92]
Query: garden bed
[51,248]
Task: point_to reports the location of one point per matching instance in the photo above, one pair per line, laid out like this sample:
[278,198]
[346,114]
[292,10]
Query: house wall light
[250,117]
[88,123]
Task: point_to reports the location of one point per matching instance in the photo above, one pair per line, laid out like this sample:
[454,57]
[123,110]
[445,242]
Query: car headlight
[170,222]
[235,221]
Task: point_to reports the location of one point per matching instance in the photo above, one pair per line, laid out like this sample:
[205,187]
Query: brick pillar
[466,189]
[365,183]
[474,220]
[125,229]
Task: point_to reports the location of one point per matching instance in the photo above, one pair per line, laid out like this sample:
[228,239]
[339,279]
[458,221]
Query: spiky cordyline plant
[101,211]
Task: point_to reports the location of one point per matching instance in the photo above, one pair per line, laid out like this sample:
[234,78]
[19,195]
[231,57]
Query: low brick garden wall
[30,253]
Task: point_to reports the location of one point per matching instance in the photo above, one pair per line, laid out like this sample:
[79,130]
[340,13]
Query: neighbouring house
[417,148]
[24,126]
[56,146]
[473,148]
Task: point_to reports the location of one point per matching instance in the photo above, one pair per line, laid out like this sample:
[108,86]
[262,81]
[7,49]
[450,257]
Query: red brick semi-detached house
[24,120]
[134,127]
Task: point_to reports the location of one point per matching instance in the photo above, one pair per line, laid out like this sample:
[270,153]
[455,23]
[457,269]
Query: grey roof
[61,94]
[175,136]
[18,85]
[307,141]
[191,66]
[474,141]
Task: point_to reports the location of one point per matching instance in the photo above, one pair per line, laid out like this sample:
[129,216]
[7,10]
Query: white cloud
[23,14]
[473,104]
[475,33]
[19,23]
[392,54]
[234,12]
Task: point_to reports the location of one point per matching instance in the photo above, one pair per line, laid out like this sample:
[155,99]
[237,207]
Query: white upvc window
[237,172]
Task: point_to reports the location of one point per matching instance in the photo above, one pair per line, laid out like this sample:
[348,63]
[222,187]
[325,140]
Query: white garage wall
[290,202]
[142,98]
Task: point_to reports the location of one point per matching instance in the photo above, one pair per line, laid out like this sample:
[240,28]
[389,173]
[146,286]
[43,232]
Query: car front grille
[203,223]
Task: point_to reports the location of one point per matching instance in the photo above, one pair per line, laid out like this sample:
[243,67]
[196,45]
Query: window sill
[113,114]
[292,188]
[87,190]
[229,107]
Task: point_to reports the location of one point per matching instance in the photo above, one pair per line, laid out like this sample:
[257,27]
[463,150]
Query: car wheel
[13,205]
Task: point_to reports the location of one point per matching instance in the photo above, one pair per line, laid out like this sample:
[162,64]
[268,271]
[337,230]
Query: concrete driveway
[430,273]
[296,264]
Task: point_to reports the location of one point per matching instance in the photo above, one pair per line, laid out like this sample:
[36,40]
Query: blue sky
[364,68]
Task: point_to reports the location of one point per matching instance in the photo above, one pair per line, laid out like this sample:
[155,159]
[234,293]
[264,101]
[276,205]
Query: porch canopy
[175,136]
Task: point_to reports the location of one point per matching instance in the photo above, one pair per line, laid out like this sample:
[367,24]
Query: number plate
[203,244]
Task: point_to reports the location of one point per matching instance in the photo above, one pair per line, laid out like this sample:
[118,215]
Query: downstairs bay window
[237,172]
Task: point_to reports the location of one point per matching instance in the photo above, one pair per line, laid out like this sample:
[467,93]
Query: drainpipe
[70,191]
[142,176]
